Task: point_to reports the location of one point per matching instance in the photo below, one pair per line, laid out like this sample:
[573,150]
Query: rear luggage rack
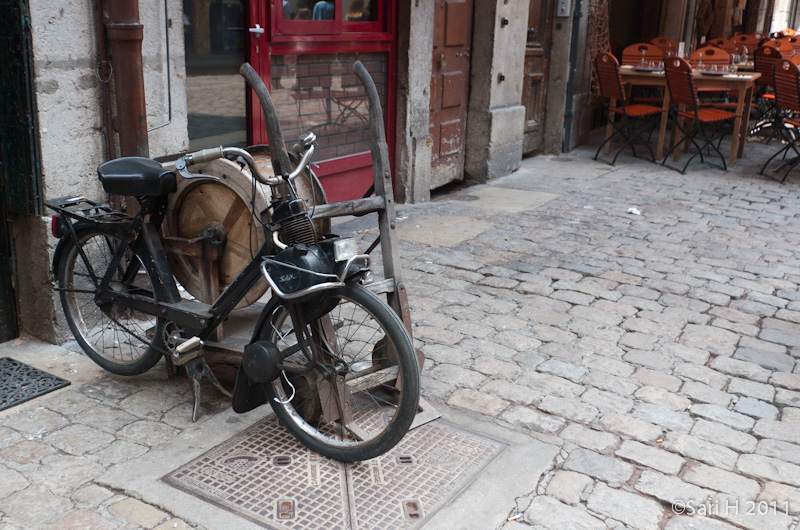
[82,209]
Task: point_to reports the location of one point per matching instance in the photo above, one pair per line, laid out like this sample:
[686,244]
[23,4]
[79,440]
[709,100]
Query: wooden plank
[383,186]
[355,207]
[382,286]
[371,380]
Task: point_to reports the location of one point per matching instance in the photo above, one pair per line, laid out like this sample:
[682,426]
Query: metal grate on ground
[265,475]
[20,382]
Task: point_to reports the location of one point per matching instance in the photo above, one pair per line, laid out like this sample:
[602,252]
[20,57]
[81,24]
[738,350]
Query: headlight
[344,249]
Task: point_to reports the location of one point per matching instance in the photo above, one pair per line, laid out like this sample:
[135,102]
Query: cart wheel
[229,203]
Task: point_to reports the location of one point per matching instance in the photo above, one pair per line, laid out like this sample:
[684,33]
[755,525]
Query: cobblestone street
[656,351]
[659,351]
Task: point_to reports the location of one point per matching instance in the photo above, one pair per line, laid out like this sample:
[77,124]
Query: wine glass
[643,63]
[700,64]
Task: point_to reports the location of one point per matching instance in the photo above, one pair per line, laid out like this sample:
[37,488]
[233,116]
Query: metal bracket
[197,369]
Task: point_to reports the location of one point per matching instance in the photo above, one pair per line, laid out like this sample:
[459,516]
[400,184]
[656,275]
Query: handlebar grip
[206,155]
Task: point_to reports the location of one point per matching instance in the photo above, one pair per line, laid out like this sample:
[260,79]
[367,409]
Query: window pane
[320,93]
[308,9]
[215,92]
[360,10]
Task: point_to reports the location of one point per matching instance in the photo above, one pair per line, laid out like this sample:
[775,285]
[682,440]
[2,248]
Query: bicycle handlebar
[207,155]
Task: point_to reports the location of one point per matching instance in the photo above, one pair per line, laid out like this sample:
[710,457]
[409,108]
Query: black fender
[79,227]
[164,290]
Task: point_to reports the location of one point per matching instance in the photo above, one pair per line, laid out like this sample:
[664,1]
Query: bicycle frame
[196,318]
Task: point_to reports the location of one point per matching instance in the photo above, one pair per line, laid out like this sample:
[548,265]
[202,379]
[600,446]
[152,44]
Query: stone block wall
[69,100]
[496,74]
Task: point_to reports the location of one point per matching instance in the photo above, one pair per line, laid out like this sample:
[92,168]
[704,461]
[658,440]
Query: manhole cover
[264,474]
[20,382]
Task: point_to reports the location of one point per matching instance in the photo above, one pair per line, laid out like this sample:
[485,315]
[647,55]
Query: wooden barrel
[236,203]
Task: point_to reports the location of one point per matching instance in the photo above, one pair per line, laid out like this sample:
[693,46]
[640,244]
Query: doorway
[215,39]
[537,64]
[452,42]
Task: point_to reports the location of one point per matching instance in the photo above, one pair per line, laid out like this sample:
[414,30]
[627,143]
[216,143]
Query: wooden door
[534,88]
[452,40]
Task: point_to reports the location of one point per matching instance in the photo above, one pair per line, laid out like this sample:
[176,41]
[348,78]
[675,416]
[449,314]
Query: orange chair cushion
[709,115]
[637,110]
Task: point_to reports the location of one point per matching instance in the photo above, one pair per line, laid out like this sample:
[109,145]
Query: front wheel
[362,396]
[122,340]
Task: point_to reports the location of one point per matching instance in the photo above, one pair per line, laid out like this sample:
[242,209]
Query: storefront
[304,52]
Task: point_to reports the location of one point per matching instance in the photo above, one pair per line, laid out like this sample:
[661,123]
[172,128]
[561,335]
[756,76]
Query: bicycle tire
[119,339]
[373,350]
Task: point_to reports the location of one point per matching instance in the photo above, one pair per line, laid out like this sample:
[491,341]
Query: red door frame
[346,177]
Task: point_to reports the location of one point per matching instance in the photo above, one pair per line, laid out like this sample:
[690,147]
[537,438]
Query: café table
[741,83]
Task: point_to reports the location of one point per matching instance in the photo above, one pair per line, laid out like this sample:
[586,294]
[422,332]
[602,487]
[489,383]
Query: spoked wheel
[362,396]
[122,340]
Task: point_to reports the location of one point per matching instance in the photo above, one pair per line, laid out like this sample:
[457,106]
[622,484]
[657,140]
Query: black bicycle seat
[136,176]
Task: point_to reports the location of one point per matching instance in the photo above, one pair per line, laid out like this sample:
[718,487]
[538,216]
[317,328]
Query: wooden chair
[725,44]
[794,42]
[633,54]
[765,59]
[781,45]
[709,56]
[788,32]
[748,42]
[683,92]
[611,89]
[787,96]
[665,44]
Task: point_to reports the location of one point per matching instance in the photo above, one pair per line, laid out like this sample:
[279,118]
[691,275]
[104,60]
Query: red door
[452,40]
[304,52]
[307,63]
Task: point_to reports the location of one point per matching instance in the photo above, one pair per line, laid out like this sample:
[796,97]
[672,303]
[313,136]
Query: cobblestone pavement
[658,351]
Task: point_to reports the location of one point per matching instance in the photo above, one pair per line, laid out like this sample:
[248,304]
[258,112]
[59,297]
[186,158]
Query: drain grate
[20,382]
[264,474]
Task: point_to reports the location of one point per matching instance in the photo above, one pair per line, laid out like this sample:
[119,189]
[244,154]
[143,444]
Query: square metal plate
[265,475]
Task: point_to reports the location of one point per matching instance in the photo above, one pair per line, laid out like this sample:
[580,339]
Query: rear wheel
[362,396]
[122,340]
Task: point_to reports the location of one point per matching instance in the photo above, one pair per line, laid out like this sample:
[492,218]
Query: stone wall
[413,151]
[495,118]
[69,100]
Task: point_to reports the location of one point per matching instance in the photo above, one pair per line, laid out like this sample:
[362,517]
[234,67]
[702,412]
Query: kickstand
[197,369]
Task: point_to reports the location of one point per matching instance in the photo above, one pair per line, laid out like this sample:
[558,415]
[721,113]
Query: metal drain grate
[264,474]
[20,382]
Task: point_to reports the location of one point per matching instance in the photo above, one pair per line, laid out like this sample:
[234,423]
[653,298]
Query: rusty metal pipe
[125,35]
[104,73]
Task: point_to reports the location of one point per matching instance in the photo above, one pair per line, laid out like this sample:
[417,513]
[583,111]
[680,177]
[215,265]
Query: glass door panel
[307,17]
[215,36]
[320,93]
